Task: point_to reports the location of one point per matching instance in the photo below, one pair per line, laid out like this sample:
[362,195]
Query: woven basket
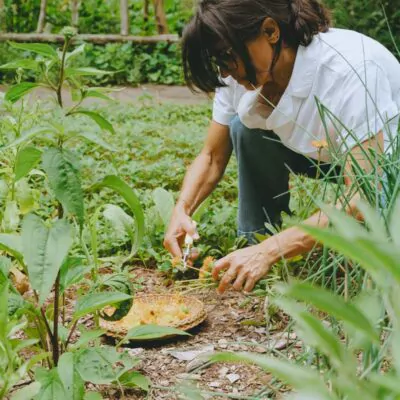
[196,315]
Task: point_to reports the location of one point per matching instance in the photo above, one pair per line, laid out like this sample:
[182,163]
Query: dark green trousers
[264,165]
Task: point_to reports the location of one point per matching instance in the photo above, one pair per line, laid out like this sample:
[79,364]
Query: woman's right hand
[180,225]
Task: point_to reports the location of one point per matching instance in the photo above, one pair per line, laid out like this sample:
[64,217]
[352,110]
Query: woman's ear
[271,30]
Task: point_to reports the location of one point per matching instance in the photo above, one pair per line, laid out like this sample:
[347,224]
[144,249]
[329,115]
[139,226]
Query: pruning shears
[188,249]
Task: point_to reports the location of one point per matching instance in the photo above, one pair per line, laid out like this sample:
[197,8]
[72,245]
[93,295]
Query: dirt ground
[162,93]
[234,323]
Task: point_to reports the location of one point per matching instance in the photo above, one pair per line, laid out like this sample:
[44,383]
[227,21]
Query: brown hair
[233,23]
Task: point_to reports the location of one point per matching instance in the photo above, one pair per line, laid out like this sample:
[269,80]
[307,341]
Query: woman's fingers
[240,280]
[171,243]
[226,280]
[220,265]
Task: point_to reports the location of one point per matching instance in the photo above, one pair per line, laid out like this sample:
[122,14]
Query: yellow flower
[319,144]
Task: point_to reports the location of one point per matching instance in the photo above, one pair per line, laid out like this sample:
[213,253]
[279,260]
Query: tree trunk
[146,10]
[124,10]
[161,18]
[42,16]
[3,25]
[75,4]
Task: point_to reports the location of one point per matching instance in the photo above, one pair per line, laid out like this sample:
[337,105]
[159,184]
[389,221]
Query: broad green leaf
[299,376]
[24,64]
[72,272]
[12,244]
[44,251]
[97,94]
[30,134]
[77,51]
[374,221]
[96,139]
[149,332]
[101,365]
[345,225]
[96,117]
[3,311]
[164,202]
[332,304]
[86,337]
[315,334]
[3,191]
[73,384]
[374,257]
[134,379]
[390,383]
[65,181]
[19,90]
[371,303]
[85,71]
[119,186]
[51,385]
[11,218]
[198,214]
[27,158]
[19,344]
[38,48]
[120,220]
[96,301]
[25,196]
[28,392]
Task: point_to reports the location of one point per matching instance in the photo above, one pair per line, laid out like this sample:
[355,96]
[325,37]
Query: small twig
[70,334]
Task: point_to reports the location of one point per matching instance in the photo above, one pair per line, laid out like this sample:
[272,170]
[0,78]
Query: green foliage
[44,251]
[366,368]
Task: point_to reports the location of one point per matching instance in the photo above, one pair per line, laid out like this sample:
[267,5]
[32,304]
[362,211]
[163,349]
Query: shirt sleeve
[368,106]
[223,108]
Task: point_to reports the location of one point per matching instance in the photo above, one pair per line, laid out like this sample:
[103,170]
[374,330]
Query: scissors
[188,248]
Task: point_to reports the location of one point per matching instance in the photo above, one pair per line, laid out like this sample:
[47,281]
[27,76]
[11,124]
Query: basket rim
[188,323]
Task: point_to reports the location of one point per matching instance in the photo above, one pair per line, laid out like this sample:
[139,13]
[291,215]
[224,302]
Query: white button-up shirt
[345,88]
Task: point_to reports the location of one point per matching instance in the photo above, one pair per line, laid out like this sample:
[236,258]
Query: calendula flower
[208,265]
[319,144]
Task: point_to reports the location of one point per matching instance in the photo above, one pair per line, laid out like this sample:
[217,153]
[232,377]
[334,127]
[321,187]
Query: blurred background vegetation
[160,63]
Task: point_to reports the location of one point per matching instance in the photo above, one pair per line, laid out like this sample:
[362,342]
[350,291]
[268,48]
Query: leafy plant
[44,246]
[358,356]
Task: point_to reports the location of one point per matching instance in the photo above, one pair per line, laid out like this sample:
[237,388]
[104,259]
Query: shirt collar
[305,68]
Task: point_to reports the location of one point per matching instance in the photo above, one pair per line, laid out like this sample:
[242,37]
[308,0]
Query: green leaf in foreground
[19,90]
[12,244]
[65,181]
[96,301]
[24,64]
[38,48]
[332,304]
[300,377]
[26,160]
[119,186]
[28,392]
[149,332]
[72,381]
[86,71]
[44,251]
[96,117]
[134,379]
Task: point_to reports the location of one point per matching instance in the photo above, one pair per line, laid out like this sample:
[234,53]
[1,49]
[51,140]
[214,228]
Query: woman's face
[261,53]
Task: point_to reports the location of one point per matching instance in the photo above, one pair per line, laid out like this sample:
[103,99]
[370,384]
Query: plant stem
[70,334]
[56,349]
[61,76]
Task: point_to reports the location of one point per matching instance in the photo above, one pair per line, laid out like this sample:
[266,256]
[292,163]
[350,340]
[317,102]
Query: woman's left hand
[244,268]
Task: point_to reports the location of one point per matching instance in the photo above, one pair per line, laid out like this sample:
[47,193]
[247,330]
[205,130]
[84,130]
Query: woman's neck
[281,75]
